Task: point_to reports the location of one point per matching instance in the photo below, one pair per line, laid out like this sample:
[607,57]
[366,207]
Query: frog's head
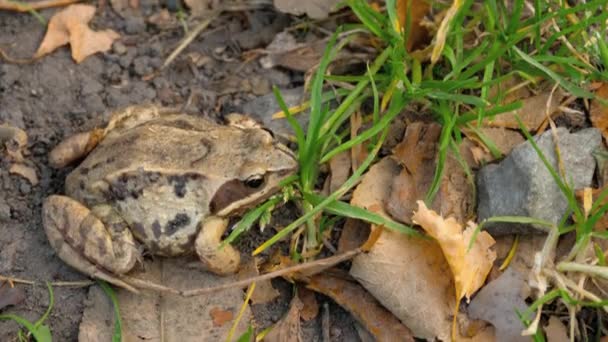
[260,165]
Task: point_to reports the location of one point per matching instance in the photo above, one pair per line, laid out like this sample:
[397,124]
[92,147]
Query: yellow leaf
[470,268]
[70,25]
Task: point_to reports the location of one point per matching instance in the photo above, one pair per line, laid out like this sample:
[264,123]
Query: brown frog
[162,179]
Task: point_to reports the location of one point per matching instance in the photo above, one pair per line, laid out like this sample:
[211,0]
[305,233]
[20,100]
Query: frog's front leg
[220,261]
[96,242]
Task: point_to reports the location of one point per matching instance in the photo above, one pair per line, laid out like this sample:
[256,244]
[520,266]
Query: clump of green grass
[485,44]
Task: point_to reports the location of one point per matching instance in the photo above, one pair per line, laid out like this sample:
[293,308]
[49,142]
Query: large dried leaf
[416,267]
[413,11]
[469,267]
[149,315]
[502,138]
[599,111]
[70,25]
[10,295]
[417,154]
[533,112]
[380,322]
[497,303]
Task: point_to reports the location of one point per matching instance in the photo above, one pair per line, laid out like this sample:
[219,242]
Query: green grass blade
[117,336]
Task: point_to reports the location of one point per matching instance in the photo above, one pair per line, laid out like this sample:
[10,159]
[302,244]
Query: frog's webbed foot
[83,241]
[220,261]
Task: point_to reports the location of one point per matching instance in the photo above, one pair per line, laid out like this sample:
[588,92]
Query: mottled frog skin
[163,179]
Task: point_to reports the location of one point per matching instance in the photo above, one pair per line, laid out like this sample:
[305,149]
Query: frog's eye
[254,181]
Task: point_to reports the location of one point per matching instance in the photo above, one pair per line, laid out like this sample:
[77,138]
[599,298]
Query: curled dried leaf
[469,267]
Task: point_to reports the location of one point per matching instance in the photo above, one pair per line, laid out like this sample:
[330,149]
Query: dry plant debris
[533,113]
[599,111]
[380,322]
[415,267]
[288,328]
[70,26]
[415,10]
[470,266]
[19,6]
[13,143]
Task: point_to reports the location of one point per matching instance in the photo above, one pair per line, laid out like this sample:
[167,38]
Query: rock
[521,185]
[135,24]
[263,107]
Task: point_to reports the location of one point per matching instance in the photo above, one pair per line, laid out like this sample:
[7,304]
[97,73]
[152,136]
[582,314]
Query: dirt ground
[55,97]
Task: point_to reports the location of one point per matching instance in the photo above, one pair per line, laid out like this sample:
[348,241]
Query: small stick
[327,262]
[19,6]
[81,283]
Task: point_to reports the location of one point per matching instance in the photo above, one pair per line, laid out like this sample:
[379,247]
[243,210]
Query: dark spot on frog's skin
[156,229]
[110,160]
[84,171]
[180,220]
[81,184]
[179,185]
[152,177]
[138,230]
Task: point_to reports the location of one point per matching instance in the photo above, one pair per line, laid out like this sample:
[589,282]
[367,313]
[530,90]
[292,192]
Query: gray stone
[135,24]
[263,107]
[521,185]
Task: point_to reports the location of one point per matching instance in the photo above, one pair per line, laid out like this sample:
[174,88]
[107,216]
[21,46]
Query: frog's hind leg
[220,261]
[82,240]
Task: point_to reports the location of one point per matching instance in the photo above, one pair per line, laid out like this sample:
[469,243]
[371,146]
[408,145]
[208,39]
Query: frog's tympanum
[163,180]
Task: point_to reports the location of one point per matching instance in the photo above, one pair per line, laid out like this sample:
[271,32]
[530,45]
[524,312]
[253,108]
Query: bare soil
[55,97]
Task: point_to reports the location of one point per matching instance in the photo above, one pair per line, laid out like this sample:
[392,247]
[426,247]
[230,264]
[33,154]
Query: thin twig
[327,262]
[80,283]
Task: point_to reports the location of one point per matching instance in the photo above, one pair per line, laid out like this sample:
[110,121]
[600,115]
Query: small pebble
[24,187]
[119,48]
[135,24]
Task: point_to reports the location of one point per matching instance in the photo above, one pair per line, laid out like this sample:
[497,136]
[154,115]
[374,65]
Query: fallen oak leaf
[469,267]
[70,26]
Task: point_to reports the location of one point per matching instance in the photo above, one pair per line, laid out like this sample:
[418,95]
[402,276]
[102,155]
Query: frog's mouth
[236,196]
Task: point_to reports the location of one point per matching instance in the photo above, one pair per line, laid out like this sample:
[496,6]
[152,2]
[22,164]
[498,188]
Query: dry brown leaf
[150,315]
[339,166]
[10,295]
[264,291]
[599,112]
[354,234]
[417,154]
[288,328]
[24,171]
[416,267]
[310,305]
[364,307]
[503,139]
[532,113]
[498,301]
[469,267]
[70,25]
[415,10]
[220,316]
[358,152]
